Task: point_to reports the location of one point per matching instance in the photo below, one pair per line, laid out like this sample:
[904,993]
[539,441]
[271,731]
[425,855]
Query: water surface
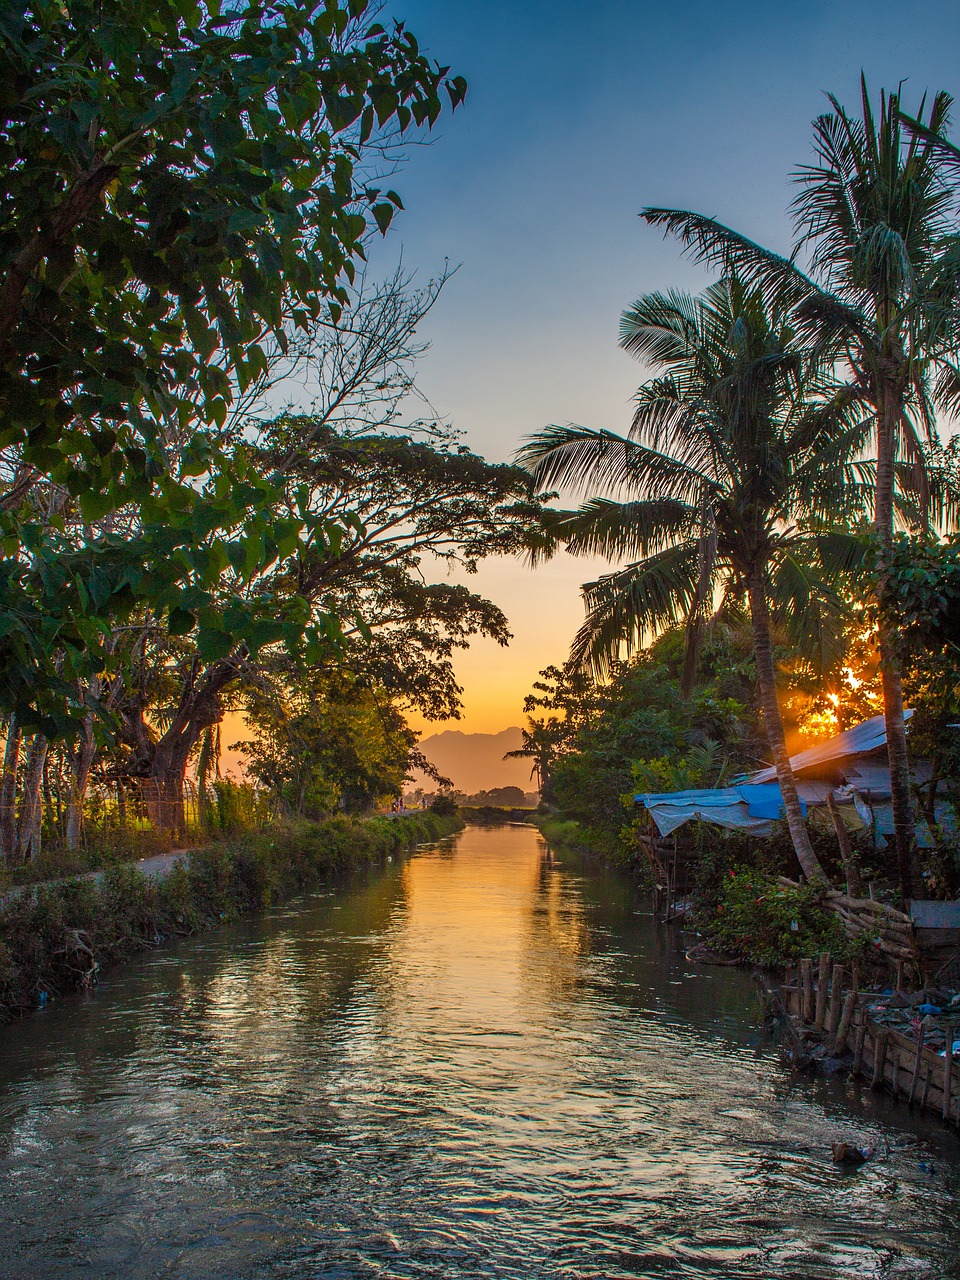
[484,1062]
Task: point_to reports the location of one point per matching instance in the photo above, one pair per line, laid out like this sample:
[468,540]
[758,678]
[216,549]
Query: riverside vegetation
[57,936]
[183,260]
[784,517]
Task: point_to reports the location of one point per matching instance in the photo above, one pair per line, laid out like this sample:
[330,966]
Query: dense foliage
[756,918]
[180,192]
[595,745]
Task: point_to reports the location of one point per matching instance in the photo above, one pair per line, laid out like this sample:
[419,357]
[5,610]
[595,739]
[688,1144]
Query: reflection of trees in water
[558,937]
[640,962]
[263,992]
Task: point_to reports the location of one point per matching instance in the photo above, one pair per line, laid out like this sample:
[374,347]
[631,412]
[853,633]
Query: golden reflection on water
[483,933]
[474,1062]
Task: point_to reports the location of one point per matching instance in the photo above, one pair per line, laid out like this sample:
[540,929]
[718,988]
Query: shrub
[760,920]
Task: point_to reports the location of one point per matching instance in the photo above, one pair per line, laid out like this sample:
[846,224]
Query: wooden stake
[926,1086]
[851,864]
[836,994]
[916,1066]
[879,1061]
[806,979]
[823,986]
[861,1040]
[843,1030]
[948,1075]
[898,985]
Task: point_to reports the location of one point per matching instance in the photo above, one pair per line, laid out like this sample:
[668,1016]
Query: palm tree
[736,472]
[873,213]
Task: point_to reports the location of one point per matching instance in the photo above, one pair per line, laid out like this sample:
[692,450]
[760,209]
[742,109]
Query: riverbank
[59,936]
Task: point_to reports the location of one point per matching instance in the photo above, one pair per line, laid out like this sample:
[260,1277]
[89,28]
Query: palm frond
[625,607]
[581,457]
[782,282]
[624,530]
[809,612]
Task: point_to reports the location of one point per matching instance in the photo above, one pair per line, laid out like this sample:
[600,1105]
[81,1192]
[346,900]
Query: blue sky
[577,116]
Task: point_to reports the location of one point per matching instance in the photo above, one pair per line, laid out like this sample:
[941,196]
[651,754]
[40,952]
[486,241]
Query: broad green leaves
[179,189]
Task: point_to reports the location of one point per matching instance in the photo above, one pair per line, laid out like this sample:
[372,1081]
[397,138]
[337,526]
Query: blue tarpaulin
[765,801]
[746,808]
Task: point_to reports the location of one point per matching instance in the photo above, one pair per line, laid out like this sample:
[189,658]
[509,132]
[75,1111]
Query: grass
[58,937]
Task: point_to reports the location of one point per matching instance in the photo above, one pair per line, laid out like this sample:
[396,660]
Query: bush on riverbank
[57,937]
[759,920]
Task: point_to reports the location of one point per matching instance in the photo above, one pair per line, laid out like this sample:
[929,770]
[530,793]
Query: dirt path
[160,865]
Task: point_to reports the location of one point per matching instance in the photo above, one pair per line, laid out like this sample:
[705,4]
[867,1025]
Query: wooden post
[806,982]
[898,985]
[846,1017]
[823,986]
[861,1039]
[926,1086]
[895,1070]
[948,1076]
[836,997]
[851,863]
[879,1061]
[916,1066]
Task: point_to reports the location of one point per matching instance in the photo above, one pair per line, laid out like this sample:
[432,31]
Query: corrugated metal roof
[859,740]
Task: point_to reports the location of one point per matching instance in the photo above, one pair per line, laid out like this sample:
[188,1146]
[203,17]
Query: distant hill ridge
[474,761]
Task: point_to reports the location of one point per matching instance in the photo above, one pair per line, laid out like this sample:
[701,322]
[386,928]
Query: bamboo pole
[823,986]
[843,1030]
[806,977]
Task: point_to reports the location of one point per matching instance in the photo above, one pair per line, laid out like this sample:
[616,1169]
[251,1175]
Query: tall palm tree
[873,215]
[736,473]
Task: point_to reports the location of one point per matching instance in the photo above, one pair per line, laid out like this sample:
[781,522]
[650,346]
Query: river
[485,1061]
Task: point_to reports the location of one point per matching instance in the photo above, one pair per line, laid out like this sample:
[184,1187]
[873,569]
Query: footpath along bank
[58,936]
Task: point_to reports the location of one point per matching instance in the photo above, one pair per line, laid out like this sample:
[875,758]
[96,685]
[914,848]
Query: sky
[577,116]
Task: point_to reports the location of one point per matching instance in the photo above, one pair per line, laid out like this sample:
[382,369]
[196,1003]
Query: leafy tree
[924,618]
[180,191]
[873,213]
[738,467]
[327,743]
[600,732]
[404,505]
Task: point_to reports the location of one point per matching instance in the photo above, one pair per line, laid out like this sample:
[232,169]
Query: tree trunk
[890,411]
[773,723]
[31,810]
[164,797]
[8,793]
[82,764]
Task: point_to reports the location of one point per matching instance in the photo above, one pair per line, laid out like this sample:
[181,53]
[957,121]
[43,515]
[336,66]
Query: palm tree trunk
[773,723]
[888,418]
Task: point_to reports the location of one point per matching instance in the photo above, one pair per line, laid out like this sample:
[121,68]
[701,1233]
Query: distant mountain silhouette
[474,761]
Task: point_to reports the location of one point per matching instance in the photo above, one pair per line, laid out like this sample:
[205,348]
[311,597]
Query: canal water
[486,1061]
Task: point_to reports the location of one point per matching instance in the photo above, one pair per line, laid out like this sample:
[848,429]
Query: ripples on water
[481,1063]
